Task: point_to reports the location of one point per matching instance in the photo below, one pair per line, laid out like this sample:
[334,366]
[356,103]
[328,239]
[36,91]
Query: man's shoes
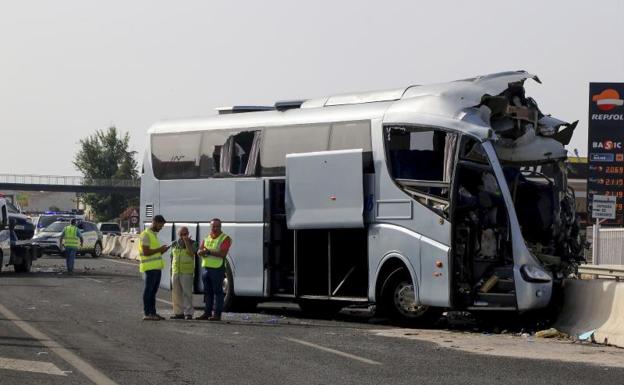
[177,316]
[214,318]
[159,316]
[188,316]
[204,317]
[151,317]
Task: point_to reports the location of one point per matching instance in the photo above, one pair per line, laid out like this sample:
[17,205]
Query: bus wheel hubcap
[404,300]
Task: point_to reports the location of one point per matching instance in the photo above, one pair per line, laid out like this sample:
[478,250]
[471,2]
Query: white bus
[416,199]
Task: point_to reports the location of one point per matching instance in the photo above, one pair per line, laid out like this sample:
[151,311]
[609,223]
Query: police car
[49,238]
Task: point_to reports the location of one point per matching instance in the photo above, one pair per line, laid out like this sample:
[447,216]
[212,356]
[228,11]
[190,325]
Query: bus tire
[397,303]
[233,302]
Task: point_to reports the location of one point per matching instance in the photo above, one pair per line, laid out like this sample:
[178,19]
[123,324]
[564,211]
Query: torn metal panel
[497,102]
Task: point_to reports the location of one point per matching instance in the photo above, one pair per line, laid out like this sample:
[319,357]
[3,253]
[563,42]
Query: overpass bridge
[75,184]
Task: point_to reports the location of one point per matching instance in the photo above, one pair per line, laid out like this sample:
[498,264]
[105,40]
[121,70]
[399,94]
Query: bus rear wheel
[232,302]
[398,302]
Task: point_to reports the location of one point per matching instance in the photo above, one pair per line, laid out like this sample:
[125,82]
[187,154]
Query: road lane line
[337,352]
[30,366]
[93,279]
[164,301]
[123,263]
[81,365]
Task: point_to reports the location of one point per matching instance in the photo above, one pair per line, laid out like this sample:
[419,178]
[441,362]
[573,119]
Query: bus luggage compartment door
[325,190]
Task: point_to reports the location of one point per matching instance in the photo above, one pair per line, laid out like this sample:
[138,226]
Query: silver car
[49,238]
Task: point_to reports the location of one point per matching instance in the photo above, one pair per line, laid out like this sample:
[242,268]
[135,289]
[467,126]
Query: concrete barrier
[130,247]
[123,241]
[116,249]
[109,242]
[594,305]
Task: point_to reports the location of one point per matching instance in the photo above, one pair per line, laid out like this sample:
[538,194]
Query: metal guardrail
[616,271]
[59,180]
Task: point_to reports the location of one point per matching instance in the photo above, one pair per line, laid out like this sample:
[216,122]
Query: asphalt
[92,319]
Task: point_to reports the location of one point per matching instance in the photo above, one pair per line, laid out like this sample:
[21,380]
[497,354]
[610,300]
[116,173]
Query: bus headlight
[532,273]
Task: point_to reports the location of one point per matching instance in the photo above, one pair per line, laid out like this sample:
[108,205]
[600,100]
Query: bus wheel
[232,302]
[398,303]
[319,308]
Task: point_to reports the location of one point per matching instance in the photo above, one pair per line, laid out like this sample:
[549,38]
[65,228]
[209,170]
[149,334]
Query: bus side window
[240,153]
[210,153]
[423,156]
[353,135]
[282,140]
[174,156]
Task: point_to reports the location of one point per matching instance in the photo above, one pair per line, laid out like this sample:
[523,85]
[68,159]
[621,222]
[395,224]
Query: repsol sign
[605,144]
[607,117]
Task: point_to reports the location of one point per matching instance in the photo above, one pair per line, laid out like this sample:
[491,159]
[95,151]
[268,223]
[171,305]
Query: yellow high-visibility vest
[183,261]
[214,244]
[154,261]
[70,237]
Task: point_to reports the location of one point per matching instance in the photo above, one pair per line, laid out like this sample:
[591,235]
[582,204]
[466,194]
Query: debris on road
[587,336]
[550,333]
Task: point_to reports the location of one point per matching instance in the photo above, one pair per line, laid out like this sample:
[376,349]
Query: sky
[71,67]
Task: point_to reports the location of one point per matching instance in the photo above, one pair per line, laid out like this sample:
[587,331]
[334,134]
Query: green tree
[105,155]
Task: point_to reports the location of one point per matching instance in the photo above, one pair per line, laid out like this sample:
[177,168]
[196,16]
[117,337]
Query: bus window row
[253,151]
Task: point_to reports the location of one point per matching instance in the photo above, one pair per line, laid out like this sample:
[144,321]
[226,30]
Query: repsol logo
[607,145]
[607,117]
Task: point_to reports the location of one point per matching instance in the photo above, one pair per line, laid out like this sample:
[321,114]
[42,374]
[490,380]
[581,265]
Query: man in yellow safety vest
[213,251]
[182,269]
[71,238]
[151,264]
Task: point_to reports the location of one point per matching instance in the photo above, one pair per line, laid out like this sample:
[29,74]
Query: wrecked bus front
[515,233]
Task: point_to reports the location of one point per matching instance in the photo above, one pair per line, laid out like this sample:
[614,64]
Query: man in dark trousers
[72,240]
[150,256]
[213,250]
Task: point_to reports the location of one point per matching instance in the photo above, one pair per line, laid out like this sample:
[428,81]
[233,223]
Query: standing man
[213,251]
[182,268]
[150,255]
[71,238]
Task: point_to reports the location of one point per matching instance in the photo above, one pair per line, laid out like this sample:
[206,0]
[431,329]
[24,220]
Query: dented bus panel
[441,206]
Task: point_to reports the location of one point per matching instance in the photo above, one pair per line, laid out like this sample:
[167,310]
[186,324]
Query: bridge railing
[61,180]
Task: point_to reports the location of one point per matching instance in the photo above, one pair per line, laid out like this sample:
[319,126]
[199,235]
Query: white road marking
[164,301]
[116,261]
[337,352]
[83,367]
[30,366]
[93,279]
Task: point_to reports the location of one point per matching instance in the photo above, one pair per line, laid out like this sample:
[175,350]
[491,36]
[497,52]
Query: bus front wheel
[398,302]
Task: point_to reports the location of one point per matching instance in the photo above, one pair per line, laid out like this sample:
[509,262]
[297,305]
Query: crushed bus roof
[468,106]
